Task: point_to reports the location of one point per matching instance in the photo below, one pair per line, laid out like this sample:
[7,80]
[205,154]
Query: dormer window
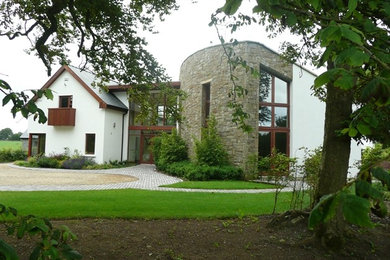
[65,102]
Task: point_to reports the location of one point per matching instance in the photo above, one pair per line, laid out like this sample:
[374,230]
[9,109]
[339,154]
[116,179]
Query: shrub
[251,169]
[8,155]
[210,150]
[311,167]
[196,172]
[156,147]
[278,168]
[374,155]
[172,149]
[59,156]
[47,162]
[32,162]
[277,164]
[77,163]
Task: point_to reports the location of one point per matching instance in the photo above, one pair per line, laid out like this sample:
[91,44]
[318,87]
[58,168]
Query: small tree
[172,148]
[311,170]
[210,150]
[278,168]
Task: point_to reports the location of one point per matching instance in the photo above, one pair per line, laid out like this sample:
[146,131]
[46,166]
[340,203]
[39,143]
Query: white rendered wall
[112,135]
[307,113]
[122,96]
[89,120]
[307,116]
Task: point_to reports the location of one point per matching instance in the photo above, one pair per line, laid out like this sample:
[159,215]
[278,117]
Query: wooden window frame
[206,102]
[277,129]
[86,143]
[69,101]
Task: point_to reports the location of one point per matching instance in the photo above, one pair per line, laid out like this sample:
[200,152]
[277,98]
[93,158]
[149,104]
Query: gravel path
[143,176]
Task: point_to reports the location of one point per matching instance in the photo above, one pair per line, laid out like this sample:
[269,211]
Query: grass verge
[132,203]
[221,185]
[13,145]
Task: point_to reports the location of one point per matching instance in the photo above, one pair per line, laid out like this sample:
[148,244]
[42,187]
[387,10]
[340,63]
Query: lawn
[13,145]
[132,203]
[221,185]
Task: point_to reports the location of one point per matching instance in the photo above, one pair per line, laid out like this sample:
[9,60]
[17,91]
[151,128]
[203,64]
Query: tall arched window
[273,114]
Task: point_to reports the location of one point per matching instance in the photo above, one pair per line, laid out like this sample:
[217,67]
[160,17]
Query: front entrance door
[146,155]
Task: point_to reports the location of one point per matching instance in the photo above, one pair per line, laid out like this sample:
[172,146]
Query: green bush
[311,167]
[196,172]
[210,150]
[156,147]
[8,155]
[172,149]
[374,155]
[277,164]
[48,162]
[59,156]
[32,161]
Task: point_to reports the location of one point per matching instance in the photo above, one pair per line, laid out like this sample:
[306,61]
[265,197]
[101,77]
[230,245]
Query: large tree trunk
[335,157]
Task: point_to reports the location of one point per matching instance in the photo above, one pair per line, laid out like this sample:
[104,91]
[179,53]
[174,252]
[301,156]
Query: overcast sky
[182,33]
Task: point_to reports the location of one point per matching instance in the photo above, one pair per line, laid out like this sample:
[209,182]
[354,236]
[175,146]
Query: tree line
[9,135]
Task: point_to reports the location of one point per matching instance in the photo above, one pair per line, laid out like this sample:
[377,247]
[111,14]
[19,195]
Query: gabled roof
[85,78]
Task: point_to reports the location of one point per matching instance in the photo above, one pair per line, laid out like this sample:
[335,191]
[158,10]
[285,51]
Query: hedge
[196,172]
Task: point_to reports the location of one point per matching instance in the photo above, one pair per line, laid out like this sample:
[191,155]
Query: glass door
[146,148]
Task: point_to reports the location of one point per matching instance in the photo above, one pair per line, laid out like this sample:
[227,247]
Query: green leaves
[4,85]
[365,190]
[363,128]
[382,175]
[352,4]
[349,33]
[323,211]
[7,251]
[334,33]
[53,243]
[354,207]
[341,78]
[330,34]
[352,56]
[356,210]
[231,6]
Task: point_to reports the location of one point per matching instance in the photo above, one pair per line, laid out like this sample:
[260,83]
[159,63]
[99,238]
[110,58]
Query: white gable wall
[307,117]
[307,113]
[90,119]
[112,135]
[122,96]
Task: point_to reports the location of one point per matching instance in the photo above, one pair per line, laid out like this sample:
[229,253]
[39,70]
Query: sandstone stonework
[210,65]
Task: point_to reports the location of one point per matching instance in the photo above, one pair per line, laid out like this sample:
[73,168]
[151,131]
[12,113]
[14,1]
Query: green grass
[132,203]
[220,185]
[13,145]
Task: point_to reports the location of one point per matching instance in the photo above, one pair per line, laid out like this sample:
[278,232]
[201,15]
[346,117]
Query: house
[102,125]
[91,122]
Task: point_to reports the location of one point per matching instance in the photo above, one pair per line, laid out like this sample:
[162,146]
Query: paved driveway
[15,178]
[143,176]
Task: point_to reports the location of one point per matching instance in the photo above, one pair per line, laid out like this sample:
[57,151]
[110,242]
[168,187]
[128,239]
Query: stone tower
[205,77]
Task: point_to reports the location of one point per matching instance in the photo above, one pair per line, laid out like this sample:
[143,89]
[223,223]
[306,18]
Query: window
[37,144]
[205,103]
[163,116]
[65,101]
[273,114]
[90,144]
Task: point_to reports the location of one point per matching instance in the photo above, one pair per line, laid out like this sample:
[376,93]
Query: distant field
[13,145]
